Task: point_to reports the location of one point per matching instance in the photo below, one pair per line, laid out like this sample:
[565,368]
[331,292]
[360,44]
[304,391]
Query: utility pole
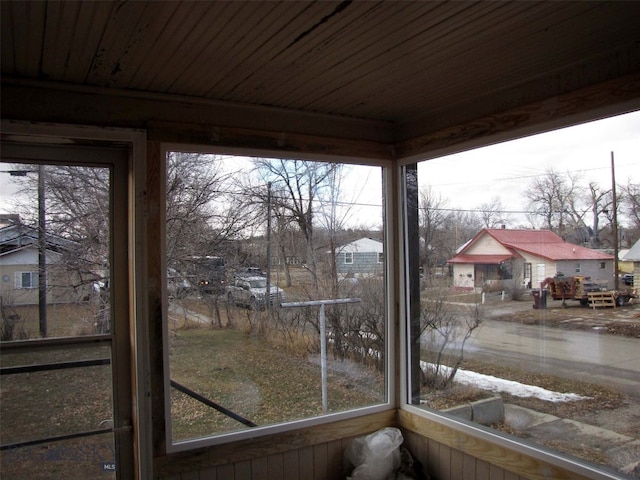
[268,293]
[615,225]
[42,245]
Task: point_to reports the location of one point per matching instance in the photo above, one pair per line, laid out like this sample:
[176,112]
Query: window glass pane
[42,403]
[56,393]
[514,241]
[54,250]
[254,246]
[76,459]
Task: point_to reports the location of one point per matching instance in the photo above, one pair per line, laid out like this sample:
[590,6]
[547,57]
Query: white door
[540,275]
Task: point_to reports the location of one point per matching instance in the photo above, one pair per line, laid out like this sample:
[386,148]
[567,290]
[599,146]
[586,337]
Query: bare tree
[491,213]
[202,213]
[200,216]
[334,212]
[631,208]
[551,197]
[298,183]
[444,331]
[77,213]
[599,201]
[434,218]
[462,226]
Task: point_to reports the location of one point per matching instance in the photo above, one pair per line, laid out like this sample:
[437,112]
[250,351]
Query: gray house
[363,257]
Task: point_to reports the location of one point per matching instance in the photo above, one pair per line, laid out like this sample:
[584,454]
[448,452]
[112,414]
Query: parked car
[627,279]
[250,272]
[252,292]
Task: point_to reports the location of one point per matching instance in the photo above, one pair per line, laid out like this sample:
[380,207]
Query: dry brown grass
[62,320]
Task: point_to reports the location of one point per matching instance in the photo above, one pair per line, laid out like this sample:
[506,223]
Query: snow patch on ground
[495,384]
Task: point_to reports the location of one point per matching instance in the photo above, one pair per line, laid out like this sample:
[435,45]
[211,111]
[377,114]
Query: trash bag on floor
[375,456]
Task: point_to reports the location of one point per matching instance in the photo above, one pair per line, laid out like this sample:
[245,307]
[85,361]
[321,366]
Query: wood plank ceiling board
[88,29]
[150,24]
[216,49]
[28,32]
[120,31]
[288,75]
[451,67]
[57,40]
[6,39]
[144,56]
[370,47]
[443,56]
[503,66]
[409,68]
[510,70]
[394,57]
[195,65]
[553,45]
[261,37]
[158,69]
[250,61]
[341,50]
[72,33]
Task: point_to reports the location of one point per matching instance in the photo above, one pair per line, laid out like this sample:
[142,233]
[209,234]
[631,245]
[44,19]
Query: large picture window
[253,338]
[498,342]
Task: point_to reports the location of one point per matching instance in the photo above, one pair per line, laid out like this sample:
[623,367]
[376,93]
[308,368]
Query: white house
[19,268]
[502,257]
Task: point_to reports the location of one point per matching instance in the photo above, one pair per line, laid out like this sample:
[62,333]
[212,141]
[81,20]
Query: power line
[522,177]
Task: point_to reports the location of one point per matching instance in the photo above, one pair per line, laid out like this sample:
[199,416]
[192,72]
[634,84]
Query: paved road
[587,356]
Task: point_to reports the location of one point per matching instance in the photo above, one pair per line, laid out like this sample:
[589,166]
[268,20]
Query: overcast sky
[472,178]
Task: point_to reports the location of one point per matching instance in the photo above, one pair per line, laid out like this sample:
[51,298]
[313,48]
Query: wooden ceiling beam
[177,119]
[247,129]
[613,97]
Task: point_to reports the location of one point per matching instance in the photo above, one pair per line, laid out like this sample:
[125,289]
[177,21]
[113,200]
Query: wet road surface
[608,360]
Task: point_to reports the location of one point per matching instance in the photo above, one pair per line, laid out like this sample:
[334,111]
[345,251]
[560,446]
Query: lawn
[265,382]
[51,403]
[257,381]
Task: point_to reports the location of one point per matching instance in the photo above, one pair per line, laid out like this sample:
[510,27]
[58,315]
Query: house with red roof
[502,258]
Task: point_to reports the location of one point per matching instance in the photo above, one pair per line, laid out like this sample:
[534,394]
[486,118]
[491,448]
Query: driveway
[623,320]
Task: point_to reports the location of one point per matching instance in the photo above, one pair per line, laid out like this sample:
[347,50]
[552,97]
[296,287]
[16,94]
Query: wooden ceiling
[402,69]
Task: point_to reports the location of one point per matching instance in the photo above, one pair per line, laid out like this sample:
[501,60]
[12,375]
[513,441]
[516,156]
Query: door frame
[130,359]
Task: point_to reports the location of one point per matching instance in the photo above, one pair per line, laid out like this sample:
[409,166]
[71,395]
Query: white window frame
[391,402]
[474,431]
[19,276]
[380,257]
[348,258]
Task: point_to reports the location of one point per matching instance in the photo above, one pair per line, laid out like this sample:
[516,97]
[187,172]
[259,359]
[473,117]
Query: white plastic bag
[375,456]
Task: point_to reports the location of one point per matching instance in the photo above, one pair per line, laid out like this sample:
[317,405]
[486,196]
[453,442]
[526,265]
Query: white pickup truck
[252,291]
